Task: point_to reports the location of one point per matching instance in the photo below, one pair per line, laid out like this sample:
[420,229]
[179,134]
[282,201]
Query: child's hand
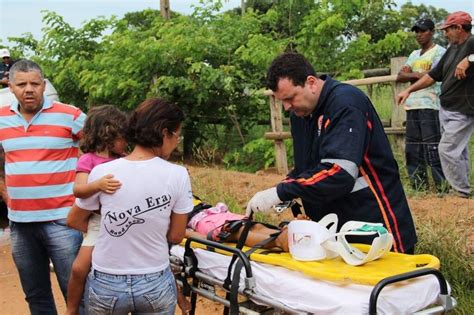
[108,184]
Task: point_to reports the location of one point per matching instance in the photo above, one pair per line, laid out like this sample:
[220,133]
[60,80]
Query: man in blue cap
[422,125]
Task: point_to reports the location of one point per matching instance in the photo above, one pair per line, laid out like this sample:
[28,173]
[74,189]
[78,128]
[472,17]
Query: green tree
[213,64]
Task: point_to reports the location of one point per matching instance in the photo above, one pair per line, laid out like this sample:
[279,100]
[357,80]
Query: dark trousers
[423,133]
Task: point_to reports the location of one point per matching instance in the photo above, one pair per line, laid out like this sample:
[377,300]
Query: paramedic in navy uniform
[343,160]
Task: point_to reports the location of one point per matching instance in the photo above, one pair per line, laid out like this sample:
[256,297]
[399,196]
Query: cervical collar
[381,244]
[309,240]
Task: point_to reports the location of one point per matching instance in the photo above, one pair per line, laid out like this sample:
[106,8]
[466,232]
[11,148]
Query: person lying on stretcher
[320,240]
[219,224]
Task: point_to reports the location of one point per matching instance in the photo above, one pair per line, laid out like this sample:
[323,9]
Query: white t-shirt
[135,219]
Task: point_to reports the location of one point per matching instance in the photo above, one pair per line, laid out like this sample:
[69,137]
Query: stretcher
[202,267]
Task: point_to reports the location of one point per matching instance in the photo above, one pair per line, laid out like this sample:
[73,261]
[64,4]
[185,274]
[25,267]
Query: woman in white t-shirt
[130,263]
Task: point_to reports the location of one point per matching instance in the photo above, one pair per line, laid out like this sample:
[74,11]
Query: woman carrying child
[130,262]
[103,141]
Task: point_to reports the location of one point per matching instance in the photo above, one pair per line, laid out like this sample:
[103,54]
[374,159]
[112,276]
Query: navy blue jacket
[345,128]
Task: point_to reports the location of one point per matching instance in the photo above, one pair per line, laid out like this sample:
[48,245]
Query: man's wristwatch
[470,58]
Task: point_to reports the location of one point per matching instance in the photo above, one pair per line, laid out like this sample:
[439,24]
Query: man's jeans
[33,246]
[456,132]
[153,293]
[423,133]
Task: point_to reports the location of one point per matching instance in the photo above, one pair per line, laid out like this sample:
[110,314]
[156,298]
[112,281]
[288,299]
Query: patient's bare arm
[192,233]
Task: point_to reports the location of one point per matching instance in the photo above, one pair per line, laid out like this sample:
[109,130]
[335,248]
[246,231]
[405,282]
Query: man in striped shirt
[40,139]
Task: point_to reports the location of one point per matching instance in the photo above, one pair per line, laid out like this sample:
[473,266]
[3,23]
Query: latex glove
[263,201]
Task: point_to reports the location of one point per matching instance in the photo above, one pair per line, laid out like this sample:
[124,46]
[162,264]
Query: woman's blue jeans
[33,246]
[153,293]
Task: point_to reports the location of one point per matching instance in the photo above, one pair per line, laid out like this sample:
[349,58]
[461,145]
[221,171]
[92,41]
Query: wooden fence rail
[395,126]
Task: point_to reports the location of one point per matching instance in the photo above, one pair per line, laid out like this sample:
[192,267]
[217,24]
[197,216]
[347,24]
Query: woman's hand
[78,218]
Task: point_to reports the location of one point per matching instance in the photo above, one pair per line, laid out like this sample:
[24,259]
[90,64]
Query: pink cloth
[88,161]
[213,219]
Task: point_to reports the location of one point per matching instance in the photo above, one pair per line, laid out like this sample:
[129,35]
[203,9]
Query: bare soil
[240,186]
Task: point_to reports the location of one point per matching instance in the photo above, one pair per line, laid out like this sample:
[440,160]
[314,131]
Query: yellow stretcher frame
[203,285]
[336,270]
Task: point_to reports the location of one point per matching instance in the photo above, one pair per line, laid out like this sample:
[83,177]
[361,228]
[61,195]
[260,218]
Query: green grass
[212,191]
[449,242]
[381,98]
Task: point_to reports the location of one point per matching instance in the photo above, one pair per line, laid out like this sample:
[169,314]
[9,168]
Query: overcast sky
[22,16]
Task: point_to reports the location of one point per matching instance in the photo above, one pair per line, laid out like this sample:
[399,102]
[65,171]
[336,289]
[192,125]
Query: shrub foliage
[213,64]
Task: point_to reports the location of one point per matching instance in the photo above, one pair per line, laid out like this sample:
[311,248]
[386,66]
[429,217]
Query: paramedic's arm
[326,182]
[341,153]
[291,174]
[422,83]
[78,218]
[177,227]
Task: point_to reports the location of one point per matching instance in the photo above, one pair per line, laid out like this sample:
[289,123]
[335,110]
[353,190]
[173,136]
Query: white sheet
[307,294]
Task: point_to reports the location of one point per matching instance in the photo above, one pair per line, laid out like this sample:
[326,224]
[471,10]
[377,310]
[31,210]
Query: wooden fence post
[277,126]
[398,112]
[370,91]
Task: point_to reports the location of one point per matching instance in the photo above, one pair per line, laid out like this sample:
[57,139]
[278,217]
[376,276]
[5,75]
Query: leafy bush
[256,155]
[211,62]
[207,154]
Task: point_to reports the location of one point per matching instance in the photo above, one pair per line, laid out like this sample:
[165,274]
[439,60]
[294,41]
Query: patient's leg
[282,240]
[259,233]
